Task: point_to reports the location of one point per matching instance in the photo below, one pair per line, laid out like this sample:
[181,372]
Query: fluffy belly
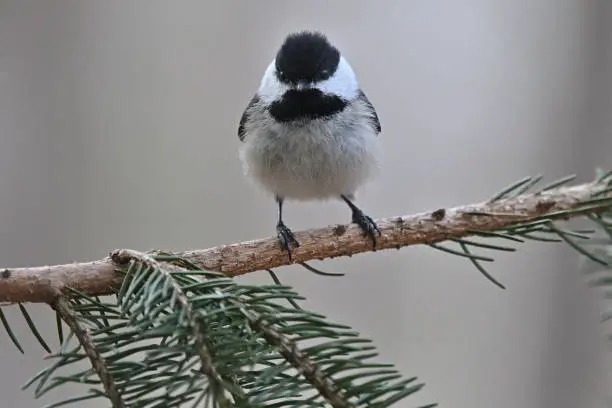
[305,165]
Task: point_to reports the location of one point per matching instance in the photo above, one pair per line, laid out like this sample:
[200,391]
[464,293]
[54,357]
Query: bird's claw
[367,225]
[286,238]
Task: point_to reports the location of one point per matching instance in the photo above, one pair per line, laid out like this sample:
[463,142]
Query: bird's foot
[286,238]
[367,224]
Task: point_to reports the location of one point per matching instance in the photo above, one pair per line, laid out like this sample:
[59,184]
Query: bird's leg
[365,222]
[287,240]
[285,236]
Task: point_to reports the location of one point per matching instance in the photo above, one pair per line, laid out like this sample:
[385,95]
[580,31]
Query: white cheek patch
[343,83]
[271,89]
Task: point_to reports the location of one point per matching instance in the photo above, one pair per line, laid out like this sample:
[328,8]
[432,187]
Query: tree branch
[46,283]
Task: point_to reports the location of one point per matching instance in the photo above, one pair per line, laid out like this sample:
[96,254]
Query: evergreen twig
[178,334]
[68,314]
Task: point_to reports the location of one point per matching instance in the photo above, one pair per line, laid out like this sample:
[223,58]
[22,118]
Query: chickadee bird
[310,132]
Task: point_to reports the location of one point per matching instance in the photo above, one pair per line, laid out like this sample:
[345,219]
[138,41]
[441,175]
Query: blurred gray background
[118,129]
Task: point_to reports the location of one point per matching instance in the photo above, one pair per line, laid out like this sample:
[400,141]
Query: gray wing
[374,116]
[245,118]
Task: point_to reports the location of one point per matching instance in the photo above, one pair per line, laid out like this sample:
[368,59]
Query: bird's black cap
[306,56]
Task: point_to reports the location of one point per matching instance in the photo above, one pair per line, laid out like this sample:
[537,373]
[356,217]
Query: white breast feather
[319,160]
